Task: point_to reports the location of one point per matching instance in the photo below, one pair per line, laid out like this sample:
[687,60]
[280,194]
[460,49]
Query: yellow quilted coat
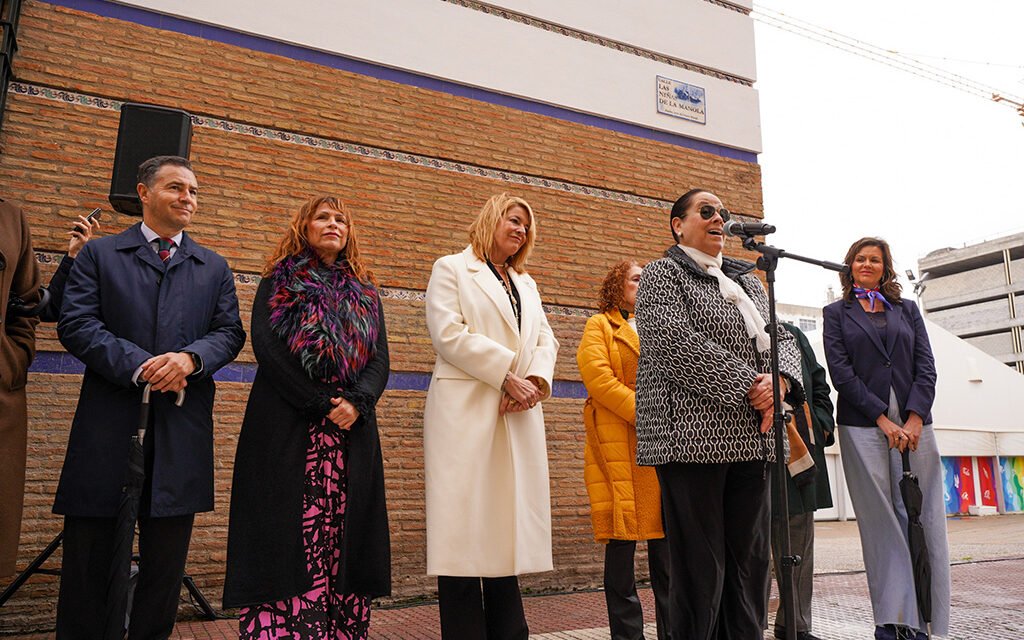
[625,499]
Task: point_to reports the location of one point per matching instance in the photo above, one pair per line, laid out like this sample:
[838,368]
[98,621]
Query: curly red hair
[295,242]
[610,295]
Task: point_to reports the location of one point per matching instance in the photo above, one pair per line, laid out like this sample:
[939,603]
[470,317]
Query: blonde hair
[481,231]
[295,241]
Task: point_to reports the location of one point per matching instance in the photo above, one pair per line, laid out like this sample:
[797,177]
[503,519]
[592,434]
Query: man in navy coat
[147,305]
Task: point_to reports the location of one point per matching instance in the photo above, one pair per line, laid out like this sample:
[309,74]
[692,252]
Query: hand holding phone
[81,233]
[95,214]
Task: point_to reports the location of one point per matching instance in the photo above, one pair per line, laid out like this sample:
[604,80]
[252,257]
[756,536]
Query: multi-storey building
[977,293]
[807,318]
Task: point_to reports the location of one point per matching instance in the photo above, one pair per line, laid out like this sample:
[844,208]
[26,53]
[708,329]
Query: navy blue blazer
[863,369]
[123,305]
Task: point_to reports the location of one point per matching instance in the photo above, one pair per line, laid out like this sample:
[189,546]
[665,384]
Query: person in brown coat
[625,499]
[19,278]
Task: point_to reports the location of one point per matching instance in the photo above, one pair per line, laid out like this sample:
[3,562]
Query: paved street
[988,594]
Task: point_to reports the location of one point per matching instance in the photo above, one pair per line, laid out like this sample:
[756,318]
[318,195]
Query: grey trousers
[801,541]
[873,472]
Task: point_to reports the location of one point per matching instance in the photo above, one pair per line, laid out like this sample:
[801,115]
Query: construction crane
[888,57]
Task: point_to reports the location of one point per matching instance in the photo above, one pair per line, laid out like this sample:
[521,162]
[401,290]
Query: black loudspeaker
[145,131]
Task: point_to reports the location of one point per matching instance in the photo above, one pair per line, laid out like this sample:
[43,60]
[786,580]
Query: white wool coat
[488,499]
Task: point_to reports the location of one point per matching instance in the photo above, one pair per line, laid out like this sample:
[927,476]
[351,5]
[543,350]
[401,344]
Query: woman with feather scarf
[308,542]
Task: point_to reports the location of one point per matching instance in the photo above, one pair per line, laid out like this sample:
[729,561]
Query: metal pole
[788,561]
[768,262]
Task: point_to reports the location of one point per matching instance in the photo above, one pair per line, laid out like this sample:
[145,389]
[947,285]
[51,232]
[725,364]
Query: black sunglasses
[708,211]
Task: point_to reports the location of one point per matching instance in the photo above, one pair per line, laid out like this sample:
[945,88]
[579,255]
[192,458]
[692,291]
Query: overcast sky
[854,148]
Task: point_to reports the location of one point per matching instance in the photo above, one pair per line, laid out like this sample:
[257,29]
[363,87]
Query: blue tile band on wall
[56,362]
[64,363]
[148,18]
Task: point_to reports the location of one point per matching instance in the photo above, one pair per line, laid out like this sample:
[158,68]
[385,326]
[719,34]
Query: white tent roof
[978,399]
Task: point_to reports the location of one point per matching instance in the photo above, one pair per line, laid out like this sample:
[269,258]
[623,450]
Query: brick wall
[56,150]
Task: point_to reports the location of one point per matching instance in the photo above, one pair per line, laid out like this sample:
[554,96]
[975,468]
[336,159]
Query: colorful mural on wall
[958,478]
[1011,474]
[987,480]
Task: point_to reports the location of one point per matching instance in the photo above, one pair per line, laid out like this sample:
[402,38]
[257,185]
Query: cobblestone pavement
[987,575]
[988,601]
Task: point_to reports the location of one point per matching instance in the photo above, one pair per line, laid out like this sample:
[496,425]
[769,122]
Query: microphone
[747,229]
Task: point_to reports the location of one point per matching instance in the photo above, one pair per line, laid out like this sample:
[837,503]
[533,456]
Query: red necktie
[164,248]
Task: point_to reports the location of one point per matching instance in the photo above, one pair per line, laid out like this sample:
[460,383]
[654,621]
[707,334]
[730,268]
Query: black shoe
[780,634]
[887,632]
[898,632]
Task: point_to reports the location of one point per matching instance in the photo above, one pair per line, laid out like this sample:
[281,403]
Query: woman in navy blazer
[881,364]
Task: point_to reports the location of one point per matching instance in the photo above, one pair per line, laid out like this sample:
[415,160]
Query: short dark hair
[149,168]
[680,207]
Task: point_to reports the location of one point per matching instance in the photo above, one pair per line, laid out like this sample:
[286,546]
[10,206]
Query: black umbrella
[910,489]
[124,533]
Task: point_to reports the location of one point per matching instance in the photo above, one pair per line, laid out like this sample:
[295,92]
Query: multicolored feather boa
[328,318]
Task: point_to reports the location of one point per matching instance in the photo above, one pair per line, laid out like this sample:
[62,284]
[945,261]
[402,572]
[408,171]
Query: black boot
[888,632]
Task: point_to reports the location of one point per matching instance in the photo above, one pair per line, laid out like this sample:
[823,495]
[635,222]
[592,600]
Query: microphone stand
[768,262]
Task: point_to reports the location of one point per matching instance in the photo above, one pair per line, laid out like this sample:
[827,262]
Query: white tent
[977,410]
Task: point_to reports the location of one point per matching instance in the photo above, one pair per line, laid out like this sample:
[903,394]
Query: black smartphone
[95,213]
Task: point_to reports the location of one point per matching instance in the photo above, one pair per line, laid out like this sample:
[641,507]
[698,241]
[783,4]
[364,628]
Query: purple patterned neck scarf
[872,295]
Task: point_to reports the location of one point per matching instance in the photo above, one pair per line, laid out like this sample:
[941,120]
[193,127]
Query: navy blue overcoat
[863,367]
[122,305]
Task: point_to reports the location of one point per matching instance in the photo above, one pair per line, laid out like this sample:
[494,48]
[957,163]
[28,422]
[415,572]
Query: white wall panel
[443,40]
[1010,444]
[954,442]
[692,30]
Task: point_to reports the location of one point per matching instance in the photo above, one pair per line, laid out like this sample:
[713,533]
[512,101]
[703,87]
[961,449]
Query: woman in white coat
[488,502]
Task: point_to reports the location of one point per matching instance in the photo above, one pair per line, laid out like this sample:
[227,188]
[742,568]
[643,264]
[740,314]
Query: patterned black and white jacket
[697,364]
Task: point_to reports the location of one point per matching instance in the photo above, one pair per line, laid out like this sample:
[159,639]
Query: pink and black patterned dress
[320,612]
[329,321]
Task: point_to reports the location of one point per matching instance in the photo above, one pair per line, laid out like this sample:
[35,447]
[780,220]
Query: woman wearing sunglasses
[704,408]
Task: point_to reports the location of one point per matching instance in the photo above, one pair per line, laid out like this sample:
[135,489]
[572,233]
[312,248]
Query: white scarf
[734,293]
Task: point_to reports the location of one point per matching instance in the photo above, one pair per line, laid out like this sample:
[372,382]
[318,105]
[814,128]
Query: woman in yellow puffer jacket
[625,499]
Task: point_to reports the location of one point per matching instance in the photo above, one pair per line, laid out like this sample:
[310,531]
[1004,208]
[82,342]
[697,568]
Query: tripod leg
[201,600]
[33,567]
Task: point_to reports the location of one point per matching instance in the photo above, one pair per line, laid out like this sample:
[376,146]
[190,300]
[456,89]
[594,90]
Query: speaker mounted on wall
[145,131]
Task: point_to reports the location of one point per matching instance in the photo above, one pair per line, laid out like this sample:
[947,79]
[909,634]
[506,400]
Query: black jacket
[266,558]
[51,312]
